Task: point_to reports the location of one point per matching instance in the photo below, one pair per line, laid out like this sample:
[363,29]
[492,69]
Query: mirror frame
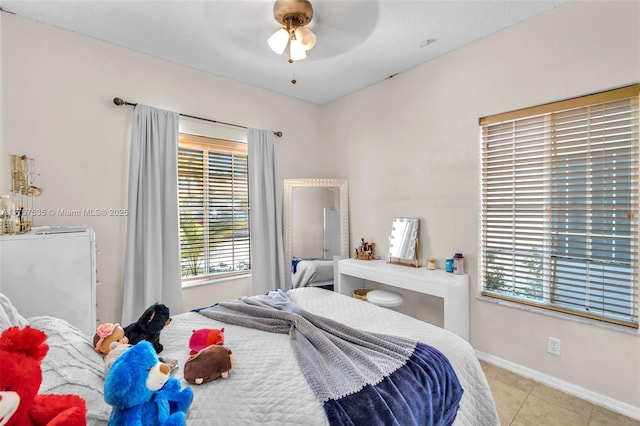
[289,185]
[414,261]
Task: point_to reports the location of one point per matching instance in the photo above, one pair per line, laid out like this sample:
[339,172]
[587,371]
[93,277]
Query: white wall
[413,148]
[58,109]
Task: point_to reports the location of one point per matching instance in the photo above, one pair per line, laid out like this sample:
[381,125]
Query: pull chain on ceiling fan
[293,15]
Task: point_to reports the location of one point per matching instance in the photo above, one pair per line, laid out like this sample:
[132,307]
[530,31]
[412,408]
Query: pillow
[73,366]
[9,315]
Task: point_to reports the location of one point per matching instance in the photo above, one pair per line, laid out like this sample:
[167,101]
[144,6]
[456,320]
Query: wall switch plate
[553,346]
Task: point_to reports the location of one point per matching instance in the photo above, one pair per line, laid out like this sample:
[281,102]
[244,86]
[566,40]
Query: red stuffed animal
[204,337]
[21,351]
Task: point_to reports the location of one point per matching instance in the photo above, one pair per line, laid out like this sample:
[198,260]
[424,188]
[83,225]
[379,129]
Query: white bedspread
[267,387]
[312,272]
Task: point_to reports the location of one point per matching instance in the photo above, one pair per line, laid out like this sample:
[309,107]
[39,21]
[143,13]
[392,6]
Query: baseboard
[580,392]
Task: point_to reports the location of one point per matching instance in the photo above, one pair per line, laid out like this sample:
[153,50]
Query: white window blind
[559,206]
[214,207]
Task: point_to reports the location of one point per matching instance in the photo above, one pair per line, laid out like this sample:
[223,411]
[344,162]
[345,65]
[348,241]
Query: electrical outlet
[553,346]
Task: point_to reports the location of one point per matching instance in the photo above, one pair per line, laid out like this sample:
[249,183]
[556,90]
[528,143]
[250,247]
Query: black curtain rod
[120,101]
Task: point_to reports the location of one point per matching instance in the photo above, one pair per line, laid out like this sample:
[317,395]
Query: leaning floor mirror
[315,230]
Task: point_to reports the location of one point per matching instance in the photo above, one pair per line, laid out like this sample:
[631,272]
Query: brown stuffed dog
[209,364]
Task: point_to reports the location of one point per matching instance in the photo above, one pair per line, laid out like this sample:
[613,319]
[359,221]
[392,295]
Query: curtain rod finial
[118,101]
[278,134]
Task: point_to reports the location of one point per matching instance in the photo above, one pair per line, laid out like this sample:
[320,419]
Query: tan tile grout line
[590,414]
[523,402]
[536,383]
[591,405]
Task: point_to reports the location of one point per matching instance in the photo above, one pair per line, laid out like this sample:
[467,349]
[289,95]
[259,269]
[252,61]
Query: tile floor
[525,402]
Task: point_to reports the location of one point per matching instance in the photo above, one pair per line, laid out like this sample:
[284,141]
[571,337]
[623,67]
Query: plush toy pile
[21,352]
[141,392]
[111,340]
[149,325]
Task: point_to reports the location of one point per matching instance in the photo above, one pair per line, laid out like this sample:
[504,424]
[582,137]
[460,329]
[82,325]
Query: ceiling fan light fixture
[292,15]
[306,37]
[297,50]
[278,41]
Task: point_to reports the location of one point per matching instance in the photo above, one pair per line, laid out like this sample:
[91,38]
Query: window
[559,206]
[214,207]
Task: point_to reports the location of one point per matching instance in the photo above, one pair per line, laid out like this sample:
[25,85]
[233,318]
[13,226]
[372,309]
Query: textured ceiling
[359,43]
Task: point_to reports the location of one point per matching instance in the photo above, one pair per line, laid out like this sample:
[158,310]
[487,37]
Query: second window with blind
[214,208]
[559,206]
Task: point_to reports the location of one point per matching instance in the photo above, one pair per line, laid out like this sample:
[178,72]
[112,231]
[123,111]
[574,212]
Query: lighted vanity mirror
[403,241]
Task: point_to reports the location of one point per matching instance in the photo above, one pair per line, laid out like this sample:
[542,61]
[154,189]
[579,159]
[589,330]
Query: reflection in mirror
[315,228]
[315,222]
[403,241]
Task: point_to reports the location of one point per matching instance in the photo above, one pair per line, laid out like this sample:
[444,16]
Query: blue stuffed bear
[141,392]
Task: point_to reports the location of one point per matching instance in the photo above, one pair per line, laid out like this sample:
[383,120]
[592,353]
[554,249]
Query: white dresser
[52,273]
[452,288]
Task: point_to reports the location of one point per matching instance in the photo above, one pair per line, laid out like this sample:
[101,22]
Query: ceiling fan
[338,26]
[293,16]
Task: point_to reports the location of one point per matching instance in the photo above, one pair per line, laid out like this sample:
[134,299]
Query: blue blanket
[362,378]
[294,265]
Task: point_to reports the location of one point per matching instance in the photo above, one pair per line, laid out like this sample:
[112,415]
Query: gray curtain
[265,206]
[152,252]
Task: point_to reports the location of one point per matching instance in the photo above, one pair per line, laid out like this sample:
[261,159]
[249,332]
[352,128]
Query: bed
[312,272]
[266,386]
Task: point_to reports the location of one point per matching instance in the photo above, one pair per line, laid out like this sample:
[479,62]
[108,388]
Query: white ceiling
[359,43]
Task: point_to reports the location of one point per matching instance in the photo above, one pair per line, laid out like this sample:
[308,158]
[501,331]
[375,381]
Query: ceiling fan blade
[341,26]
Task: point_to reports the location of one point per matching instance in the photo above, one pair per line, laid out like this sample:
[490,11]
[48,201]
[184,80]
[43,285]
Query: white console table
[452,288]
